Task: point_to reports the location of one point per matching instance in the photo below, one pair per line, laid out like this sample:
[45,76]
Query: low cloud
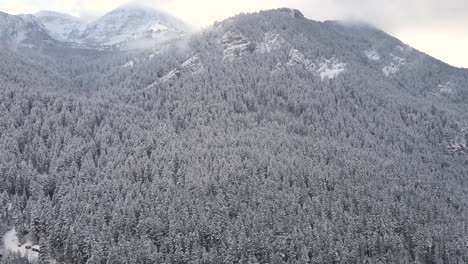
[394,16]
[439,28]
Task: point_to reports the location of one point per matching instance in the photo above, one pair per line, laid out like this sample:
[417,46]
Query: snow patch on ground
[152,55]
[11,244]
[446,88]
[460,143]
[170,75]
[157,27]
[391,69]
[372,55]
[398,60]
[128,64]
[298,58]
[330,68]
[235,45]
[193,66]
[325,68]
[271,43]
[395,65]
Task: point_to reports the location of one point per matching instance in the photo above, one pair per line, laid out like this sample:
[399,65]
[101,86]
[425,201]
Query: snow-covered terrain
[22,29]
[193,66]
[390,69]
[395,65]
[125,28]
[235,45]
[330,68]
[372,55]
[60,26]
[151,56]
[131,24]
[129,64]
[298,58]
[325,68]
[11,244]
[128,27]
[460,143]
[446,88]
[271,43]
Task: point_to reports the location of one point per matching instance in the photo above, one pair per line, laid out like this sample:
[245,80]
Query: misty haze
[233,132]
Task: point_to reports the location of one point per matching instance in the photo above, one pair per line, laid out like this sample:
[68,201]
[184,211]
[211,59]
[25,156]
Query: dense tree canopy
[245,161]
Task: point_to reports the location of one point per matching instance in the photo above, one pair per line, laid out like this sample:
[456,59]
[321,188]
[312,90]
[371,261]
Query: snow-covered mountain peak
[47,13]
[28,19]
[62,27]
[21,29]
[131,23]
[127,27]
[7,20]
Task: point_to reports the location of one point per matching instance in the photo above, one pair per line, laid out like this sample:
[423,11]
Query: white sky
[437,27]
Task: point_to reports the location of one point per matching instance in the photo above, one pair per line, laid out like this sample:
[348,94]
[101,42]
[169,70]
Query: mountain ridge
[26,29]
[62,27]
[128,23]
[126,27]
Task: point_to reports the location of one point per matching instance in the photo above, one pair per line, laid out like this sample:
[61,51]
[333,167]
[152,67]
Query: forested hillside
[266,138]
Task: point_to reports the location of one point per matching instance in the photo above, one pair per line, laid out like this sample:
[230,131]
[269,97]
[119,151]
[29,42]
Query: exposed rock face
[192,66]
[325,68]
[235,45]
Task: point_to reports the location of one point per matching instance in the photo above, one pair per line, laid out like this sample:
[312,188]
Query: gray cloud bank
[394,15]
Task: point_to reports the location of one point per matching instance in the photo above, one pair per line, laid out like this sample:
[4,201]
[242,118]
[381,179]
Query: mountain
[131,26]
[22,30]
[61,27]
[334,50]
[127,28]
[265,138]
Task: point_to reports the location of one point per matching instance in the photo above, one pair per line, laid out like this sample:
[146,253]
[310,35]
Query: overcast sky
[437,27]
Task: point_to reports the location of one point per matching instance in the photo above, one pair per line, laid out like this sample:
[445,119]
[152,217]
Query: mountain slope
[128,27]
[22,30]
[131,25]
[267,138]
[60,26]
